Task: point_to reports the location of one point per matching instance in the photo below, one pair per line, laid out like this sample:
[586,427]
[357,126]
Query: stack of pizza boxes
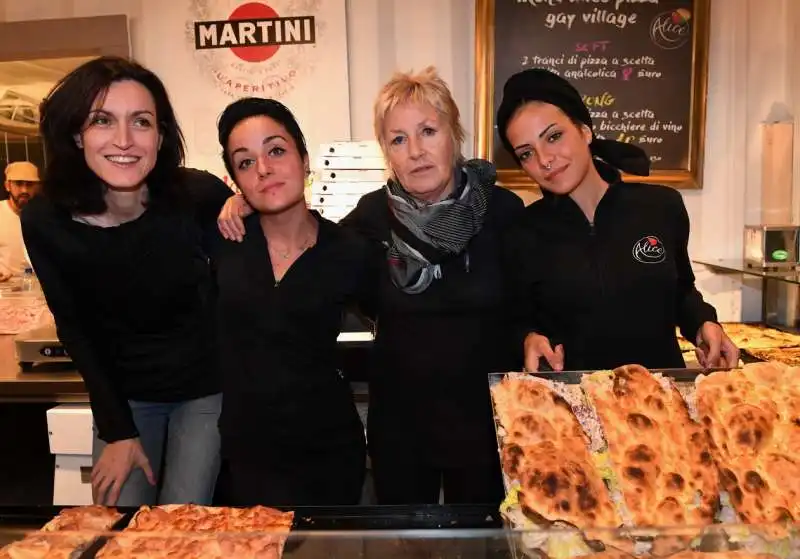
[69,430]
[343,173]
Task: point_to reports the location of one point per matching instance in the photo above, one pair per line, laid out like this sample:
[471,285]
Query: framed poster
[640,65]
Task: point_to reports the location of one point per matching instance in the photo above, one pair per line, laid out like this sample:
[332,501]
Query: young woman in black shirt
[290,431]
[601,264]
[117,241]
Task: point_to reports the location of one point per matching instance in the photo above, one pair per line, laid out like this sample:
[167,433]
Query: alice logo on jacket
[649,250]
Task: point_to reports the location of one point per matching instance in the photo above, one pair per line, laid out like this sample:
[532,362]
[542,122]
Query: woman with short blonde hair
[442,320]
[427,87]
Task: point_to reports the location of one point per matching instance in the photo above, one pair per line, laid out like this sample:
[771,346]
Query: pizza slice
[141,545]
[659,455]
[50,545]
[752,416]
[198,518]
[545,455]
[93,518]
[786,355]
[79,526]
[757,336]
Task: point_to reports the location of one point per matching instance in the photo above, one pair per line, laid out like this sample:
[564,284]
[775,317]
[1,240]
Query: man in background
[22,184]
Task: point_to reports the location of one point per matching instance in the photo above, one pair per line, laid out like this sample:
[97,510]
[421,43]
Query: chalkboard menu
[640,66]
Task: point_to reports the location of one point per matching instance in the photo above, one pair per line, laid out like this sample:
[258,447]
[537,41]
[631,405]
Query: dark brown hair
[68,180]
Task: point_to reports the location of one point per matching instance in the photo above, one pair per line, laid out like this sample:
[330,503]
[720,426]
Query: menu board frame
[690,177]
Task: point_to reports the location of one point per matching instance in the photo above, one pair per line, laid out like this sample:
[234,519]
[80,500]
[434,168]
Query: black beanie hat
[538,84]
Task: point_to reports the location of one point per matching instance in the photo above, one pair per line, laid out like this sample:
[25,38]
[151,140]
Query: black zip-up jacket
[612,291]
[433,352]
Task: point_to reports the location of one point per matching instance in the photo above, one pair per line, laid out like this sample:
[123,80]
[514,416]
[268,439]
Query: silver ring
[547,166]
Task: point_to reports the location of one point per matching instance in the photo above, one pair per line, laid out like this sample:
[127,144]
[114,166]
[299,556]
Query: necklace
[285,254]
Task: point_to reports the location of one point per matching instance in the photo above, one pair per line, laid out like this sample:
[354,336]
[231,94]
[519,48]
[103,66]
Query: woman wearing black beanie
[601,264]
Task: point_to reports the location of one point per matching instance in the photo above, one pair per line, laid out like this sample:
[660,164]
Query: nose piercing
[547,166]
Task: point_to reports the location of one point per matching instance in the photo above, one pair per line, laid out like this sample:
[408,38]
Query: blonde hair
[423,88]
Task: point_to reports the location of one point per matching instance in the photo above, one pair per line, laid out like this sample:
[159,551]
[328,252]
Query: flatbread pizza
[53,545]
[198,518]
[92,517]
[660,456]
[149,545]
[786,355]
[753,418]
[546,452]
[66,536]
[756,336]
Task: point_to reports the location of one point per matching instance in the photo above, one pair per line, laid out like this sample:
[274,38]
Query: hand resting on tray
[538,347]
[715,348]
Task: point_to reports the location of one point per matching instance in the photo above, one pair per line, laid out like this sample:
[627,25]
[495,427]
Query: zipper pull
[466,261]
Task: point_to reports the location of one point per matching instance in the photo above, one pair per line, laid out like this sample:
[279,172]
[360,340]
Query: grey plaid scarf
[424,235]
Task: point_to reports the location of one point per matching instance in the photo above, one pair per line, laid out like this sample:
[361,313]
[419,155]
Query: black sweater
[132,303]
[613,291]
[429,391]
[278,341]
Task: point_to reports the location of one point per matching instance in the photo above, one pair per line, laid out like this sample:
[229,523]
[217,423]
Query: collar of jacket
[566,207]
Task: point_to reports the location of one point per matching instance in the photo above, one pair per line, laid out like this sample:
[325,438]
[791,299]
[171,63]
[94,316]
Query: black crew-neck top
[133,304]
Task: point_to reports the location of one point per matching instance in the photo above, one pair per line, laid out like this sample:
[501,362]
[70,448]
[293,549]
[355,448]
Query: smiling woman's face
[120,138]
[552,149]
[267,166]
[419,147]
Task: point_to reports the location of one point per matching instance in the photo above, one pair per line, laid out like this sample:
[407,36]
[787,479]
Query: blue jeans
[185,438]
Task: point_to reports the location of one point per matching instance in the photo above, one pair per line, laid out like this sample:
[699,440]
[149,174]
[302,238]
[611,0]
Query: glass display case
[780,305]
[386,532]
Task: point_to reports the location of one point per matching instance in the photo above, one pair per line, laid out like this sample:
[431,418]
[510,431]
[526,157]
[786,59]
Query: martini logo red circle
[254,11]
[254,32]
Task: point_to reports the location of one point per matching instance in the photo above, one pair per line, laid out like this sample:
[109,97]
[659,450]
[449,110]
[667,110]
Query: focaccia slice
[661,457]
[753,418]
[198,518]
[53,545]
[92,517]
[756,336]
[786,355]
[133,545]
[546,451]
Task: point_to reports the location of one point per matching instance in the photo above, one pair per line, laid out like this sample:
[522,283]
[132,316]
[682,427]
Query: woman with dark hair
[603,264]
[443,317]
[290,431]
[118,242]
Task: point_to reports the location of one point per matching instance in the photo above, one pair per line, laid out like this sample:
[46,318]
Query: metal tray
[386,517]
[574,377]
[397,518]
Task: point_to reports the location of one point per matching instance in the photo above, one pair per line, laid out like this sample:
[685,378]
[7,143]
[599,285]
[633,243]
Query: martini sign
[255,50]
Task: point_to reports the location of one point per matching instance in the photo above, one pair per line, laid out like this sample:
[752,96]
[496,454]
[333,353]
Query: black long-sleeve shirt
[132,303]
[433,352]
[278,340]
[613,291]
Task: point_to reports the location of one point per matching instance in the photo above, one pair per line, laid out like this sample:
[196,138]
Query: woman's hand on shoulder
[538,346]
[231,218]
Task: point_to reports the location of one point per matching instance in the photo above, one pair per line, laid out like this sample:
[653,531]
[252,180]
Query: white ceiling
[35,78]
[23,84]
[23,72]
